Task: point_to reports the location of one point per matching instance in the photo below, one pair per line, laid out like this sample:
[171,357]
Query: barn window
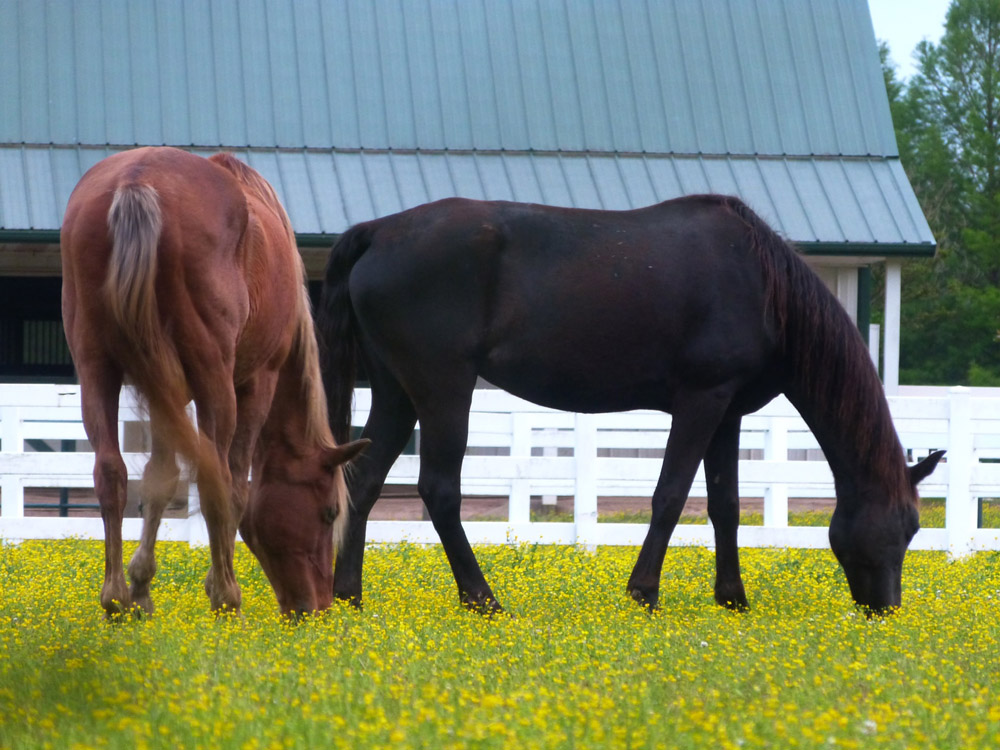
[32,341]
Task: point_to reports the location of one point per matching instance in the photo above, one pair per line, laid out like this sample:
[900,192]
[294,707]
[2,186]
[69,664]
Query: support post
[585,501]
[893,286]
[874,333]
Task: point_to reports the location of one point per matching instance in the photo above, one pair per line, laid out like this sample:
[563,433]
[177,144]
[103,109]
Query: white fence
[546,452]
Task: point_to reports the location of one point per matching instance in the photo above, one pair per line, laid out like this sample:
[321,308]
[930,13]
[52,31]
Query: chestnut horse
[694,307]
[181,276]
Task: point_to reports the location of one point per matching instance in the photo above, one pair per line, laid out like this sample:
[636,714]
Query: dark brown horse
[694,307]
[181,276]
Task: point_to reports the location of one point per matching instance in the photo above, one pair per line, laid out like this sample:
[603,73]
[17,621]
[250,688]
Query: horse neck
[829,376]
[844,405]
[866,458]
[288,429]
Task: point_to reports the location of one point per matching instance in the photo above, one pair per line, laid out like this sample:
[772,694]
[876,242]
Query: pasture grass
[574,663]
[932,516]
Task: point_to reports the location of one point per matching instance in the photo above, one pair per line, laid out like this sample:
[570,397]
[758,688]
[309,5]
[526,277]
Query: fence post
[585,500]
[776,495]
[12,487]
[550,451]
[519,505]
[197,530]
[959,511]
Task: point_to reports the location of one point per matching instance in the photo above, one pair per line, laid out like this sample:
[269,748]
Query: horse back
[193,227]
[578,309]
[217,252]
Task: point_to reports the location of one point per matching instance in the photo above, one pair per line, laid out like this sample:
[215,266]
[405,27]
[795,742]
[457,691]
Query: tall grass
[574,664]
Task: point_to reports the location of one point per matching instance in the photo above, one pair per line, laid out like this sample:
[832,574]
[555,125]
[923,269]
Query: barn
[354,110]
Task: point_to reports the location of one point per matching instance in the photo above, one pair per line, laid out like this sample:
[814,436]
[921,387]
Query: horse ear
[341,454]
[921,470]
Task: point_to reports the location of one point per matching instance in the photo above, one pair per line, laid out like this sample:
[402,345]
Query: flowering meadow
[573,662]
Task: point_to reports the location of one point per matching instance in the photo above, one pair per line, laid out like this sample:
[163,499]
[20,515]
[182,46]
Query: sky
[903,23]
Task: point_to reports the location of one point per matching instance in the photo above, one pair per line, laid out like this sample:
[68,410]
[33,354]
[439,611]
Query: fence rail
[519,450]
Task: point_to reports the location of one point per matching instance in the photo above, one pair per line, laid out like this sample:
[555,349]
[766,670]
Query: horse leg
[443,439]
[253,403]
[389,426]
[100,385]
[159,484]
[695,420]
[721,471]
[216,405]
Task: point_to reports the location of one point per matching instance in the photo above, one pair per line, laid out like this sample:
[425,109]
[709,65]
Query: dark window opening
[32,341]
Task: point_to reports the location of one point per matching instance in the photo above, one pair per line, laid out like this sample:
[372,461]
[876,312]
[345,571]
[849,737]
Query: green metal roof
[357,109]
[325,192]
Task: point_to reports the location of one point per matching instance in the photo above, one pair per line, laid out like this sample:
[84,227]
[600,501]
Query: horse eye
[329,514]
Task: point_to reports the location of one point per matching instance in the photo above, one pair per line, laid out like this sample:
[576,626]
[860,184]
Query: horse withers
[181,276]
[694,307]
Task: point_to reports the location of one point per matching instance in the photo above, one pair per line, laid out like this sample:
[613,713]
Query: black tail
[337,331]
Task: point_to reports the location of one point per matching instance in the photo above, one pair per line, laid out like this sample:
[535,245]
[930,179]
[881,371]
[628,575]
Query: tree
[947,121]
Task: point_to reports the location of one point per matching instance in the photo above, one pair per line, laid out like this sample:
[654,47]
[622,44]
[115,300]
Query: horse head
[294,520]
[870,540]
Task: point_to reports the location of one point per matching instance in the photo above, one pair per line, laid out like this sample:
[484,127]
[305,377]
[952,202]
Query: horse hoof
[142,605]
[352,599]
[297,616]
[118,614]
[485,605]
[734,605]
[227,612]
[116,608]
[115,617]
[649,601]
[876,613]
[736,601]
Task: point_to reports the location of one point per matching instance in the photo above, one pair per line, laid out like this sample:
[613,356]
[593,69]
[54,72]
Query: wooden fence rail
[519,450]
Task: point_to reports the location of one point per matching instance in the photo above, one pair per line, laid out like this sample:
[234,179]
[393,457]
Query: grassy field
[931,516]
[573,664]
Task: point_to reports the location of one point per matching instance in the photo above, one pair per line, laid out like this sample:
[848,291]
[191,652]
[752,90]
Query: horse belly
[584,380]
[582,397]
[636,355]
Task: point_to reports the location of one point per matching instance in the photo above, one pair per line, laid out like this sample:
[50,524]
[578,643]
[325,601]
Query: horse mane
[306,351]
[828,361]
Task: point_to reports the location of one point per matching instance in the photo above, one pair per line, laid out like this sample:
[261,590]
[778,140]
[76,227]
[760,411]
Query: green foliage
[947,121]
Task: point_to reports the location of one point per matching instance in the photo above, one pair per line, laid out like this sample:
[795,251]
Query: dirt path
[402,504]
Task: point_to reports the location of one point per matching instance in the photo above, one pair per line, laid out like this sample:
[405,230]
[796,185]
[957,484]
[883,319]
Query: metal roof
[355,109]
[325,192]
[770,77]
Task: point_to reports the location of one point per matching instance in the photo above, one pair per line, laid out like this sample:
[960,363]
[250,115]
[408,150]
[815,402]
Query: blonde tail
[135,223]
